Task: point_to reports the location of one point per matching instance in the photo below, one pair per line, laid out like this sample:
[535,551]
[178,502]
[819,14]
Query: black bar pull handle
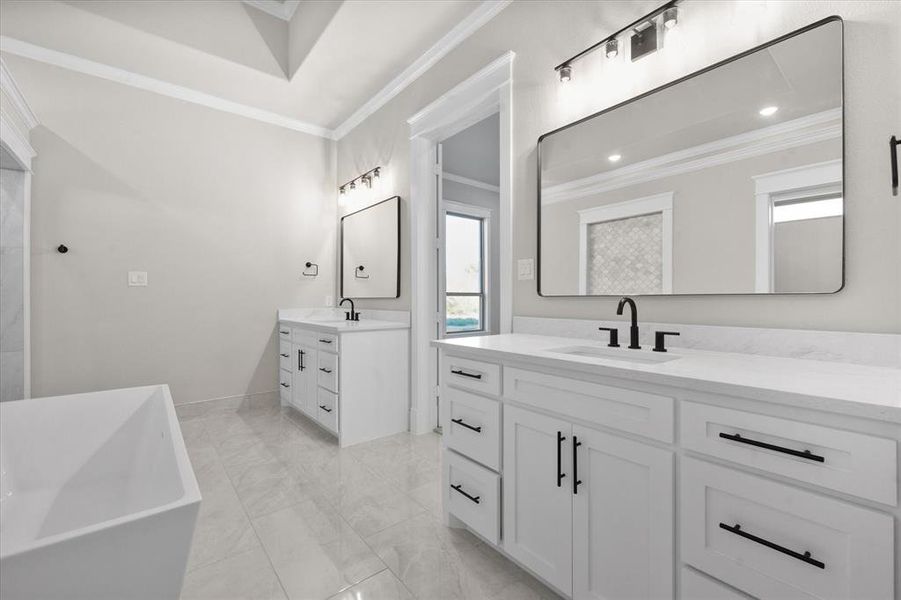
[805,557]
[465,374]
[459,488]
[576,480]
[284,385]
[325,408]
[560,474]
[736,437]
[300,365]
[467,425]
[283,332]
[326,341]
[893,150]
[285,355]
[324,370]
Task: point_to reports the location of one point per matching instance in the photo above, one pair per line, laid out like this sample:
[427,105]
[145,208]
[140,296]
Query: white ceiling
[316,63]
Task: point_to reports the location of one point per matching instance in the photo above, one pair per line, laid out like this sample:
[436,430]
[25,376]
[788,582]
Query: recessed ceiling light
[614,157]
[767,111]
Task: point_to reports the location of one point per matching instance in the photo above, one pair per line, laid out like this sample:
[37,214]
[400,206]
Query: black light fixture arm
[658,11]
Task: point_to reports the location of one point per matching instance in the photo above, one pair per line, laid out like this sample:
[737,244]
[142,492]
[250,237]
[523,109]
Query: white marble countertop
[332,320]
[857,390]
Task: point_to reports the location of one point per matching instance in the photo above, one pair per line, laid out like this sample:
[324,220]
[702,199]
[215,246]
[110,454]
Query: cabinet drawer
[472,375]
[472,494]
[643,413]
[854,463]
[472,426]
[327,374]
[284,332]
[284,386]
[327,341]
[700,587]
[753,534]
[284,355]
[327,409]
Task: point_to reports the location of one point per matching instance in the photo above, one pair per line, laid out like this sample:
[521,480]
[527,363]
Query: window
[464,273]
[803,208]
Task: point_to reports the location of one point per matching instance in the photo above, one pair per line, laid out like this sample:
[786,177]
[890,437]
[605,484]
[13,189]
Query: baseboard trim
[227,404]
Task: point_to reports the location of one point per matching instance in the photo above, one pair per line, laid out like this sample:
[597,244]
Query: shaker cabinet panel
[622,518]
[537,494]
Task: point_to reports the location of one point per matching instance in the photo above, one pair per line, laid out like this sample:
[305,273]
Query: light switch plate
[137,278]
[526,269]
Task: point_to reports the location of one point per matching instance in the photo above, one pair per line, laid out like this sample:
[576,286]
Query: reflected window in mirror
[464,273]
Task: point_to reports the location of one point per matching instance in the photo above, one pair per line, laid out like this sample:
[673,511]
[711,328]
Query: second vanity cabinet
[617,488]
[352,382]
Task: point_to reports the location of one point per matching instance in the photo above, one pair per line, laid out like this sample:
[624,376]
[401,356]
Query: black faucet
[633,330]
[351,315]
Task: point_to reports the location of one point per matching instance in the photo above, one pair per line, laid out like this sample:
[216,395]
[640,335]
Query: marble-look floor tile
[429,496]
[246,576]
[380,508]
[267,487]
[315,553]
[436,562]
[381,586]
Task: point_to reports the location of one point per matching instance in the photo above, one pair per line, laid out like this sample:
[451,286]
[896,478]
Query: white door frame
[816,178]
[487,92]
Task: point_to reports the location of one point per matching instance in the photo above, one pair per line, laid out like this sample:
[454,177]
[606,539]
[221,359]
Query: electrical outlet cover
[526,269]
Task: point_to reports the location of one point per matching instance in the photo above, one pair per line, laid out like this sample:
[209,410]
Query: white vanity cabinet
[349,378]
[617,487]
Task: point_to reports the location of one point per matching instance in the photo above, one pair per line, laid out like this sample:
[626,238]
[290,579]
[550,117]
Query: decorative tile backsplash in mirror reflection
[729,181]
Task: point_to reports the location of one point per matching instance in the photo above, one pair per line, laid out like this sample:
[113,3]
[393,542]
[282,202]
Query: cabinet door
[622,518]
[538,494]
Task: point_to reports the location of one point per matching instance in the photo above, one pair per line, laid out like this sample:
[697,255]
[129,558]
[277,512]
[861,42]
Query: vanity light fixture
[643,38]
[612,48]
[768,111]
[366,179]
[614,157]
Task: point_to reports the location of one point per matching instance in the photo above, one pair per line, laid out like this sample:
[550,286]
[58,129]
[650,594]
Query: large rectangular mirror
[728,181]
[370,251]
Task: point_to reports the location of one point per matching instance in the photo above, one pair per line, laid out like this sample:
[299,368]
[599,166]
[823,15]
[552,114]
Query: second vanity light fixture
[643,39]
[366,179]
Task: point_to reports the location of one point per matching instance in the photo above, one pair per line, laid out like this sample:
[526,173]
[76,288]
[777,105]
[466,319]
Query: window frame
[483,215]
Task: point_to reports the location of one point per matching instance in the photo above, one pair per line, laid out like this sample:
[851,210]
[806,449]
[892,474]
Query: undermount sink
[623,354]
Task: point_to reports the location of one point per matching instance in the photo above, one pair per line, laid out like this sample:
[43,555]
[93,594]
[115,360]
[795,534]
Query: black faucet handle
[614,336]
[660,340]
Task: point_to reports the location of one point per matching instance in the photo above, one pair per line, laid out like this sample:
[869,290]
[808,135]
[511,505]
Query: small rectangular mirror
[370,251]
[728,181]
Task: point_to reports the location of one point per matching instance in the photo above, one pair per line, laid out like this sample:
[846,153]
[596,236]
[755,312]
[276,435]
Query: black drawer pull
[560,473]
[576,480]
[284,385]
[735,437]
[285,355]
[459,488]
[283,332]
[324,370]
[736,529]
[467,425]
[325,408]
[300,365]
[465,374]
[326,341]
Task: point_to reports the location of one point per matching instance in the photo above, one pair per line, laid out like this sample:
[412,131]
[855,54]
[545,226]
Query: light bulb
[670,17]
[612,48]
[566,73]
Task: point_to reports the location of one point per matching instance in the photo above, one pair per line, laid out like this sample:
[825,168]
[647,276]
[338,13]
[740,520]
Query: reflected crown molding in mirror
[370,251]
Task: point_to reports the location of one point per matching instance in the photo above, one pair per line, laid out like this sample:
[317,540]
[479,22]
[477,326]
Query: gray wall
[12,282]
[543,33]
[807,255]
[221,211]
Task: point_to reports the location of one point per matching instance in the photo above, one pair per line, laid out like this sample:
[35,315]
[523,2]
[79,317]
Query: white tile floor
[287,514]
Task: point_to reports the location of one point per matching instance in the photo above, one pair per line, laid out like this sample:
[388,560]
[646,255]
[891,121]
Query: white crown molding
[22,110]
[470,182]
[486,11]
[810,129]
[150,84]
[16,143]
[281,10]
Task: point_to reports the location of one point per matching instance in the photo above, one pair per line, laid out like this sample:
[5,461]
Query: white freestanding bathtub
[97,497]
